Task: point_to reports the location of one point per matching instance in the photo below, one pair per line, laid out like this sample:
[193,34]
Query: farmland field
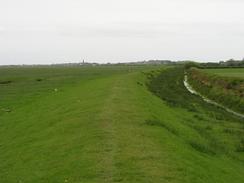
[107,124]
[228,72]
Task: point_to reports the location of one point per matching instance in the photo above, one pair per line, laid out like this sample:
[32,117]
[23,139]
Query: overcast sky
[52,31]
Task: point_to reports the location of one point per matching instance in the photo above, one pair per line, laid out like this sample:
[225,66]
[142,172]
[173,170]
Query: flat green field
[233,72]
[109,124]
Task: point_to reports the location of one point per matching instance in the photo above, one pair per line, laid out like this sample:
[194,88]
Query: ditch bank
[193,91]
[224,92]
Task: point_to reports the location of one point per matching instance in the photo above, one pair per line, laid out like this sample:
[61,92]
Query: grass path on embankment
[107,127]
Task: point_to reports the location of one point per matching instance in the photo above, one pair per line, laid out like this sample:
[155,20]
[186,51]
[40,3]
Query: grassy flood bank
[113,124]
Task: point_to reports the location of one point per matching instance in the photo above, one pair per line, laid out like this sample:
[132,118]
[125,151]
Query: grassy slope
[103,125]
[220,87]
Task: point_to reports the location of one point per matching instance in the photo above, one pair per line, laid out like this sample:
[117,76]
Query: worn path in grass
[104,125]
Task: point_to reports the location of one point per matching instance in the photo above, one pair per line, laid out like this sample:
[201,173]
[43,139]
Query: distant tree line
[228,63]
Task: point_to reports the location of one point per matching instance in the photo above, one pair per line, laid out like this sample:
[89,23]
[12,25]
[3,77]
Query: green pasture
[227,72]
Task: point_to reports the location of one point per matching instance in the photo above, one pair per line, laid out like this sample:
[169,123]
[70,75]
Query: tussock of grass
[39,79]
[198,117]
[202,148]
[158,123]
[240,146]
[5,82]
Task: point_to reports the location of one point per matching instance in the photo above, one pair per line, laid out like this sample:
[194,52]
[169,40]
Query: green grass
[228,72]
[226,90]
[105,124]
